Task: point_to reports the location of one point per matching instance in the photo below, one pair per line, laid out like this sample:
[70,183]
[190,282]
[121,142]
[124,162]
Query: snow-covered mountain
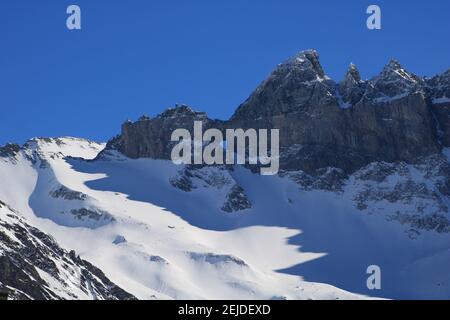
[34,266]
[364,180]
[122,215]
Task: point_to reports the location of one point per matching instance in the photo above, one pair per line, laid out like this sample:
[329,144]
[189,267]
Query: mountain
[364,180]
[116,213]
[394,116]
[34,266]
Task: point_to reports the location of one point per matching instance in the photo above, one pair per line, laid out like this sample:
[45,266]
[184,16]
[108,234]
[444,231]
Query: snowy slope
[142,245]
[34,266]
[161,231]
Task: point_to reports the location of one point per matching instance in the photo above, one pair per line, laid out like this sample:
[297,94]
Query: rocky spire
[351,88]
[181,110]
[299,100]
[352,73]
[393,64]
[297,83]
[393,70]
[394,81]
[438,88]
[307,60]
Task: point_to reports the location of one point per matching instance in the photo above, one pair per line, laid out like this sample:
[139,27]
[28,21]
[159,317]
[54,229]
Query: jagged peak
[57,141]
[45,148]
[10,145]
[304,54]
[306,59]
[393,69]
[440,76]
[144,117]
[180,110]
[393,64]
[9,150]
[353,73]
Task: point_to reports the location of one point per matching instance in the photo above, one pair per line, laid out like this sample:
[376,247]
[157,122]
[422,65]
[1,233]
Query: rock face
[352,88]
[395,116]
[297,83]
[236,200]
[438,92]
[219,177]
[151,138]
[9,150]
[421,190]
[34,266]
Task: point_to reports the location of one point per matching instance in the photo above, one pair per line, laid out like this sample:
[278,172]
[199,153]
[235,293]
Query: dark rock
[352,88]
[91,214]
[393,82]
[20,260]
[298,83]
[183,181]
[424,202]
[119,240]
[438,87]
[10,150]
[433,222]
[158,259]
[217,259]
[236,200]
[68,194]
[151,138]
[322,124]
[193,177]
[438,92]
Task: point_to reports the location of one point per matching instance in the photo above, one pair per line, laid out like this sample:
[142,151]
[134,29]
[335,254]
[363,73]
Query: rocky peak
[352,74]
[392,65]
[394,82]
[151,137]
[144,118]
[394,71]
[9,150]
[34,266]
[351,88]
[181,111]
[438,93]
[296,84]
[42,149]
[322,124]
[306,61]
[438,88]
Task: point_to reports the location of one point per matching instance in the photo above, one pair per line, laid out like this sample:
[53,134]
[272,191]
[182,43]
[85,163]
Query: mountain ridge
[390,117]
[364,179]
[34,266]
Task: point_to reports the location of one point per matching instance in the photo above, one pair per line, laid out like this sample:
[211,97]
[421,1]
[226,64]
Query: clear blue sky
[136,57]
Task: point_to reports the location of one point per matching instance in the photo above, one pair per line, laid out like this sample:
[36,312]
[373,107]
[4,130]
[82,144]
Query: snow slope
[159,240]
[34,266]
[144,247]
